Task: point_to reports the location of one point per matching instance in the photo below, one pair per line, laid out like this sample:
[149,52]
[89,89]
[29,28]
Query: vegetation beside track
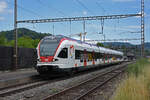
[137,84]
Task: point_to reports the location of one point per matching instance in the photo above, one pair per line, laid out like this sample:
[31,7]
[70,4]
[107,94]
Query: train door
[85,57]
[108,58]
[63,57]
[104,58]
[71,56]
[93,60]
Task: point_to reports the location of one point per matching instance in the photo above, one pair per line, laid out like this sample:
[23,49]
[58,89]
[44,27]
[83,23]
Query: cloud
[3,6]
[123,0]
[84,12]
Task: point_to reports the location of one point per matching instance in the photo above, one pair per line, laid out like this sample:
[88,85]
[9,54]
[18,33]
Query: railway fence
[26,58]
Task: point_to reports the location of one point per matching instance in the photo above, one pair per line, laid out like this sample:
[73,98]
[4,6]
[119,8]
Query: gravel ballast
[45,90]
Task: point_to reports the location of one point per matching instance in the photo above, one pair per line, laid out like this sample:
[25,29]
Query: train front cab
[62,61]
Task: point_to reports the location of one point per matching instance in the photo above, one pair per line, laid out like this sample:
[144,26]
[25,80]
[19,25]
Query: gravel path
[43,91]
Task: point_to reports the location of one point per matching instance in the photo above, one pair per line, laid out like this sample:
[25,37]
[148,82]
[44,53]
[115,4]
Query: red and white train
[60,53]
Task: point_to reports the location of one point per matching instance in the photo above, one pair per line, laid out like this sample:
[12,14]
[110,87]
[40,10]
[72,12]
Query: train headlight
[38,59]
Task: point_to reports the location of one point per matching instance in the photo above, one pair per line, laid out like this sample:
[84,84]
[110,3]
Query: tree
[100,44]
[25,42]
[35,42]
[3,41]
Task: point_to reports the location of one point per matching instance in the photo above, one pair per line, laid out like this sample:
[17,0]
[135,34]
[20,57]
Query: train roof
[102,49]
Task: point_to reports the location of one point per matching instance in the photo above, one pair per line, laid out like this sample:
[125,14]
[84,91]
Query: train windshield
[48,47]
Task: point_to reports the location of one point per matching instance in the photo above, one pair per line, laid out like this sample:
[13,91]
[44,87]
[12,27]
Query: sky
[113,29]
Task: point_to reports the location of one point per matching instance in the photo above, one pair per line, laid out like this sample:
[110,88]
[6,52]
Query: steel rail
[8,92]
[21,84]
[100,85]
[5,91]
[63,92]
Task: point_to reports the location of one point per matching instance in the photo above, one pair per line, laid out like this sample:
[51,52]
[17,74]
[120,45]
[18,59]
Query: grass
[137,68]
[137,84]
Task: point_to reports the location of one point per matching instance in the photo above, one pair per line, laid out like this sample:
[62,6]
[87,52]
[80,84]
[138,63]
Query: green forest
[24,41]
[26,38]
[30,39]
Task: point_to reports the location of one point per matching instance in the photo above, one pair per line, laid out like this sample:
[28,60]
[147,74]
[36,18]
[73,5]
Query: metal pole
[15,36]
[70,26]
[84,30]
[53,29]
[142,28]
[104,37]
[102,24]
[80,36]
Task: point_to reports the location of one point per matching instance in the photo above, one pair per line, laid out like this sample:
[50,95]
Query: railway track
[80,91]
[20,88]
[17,89]
[21,84]
[37,82]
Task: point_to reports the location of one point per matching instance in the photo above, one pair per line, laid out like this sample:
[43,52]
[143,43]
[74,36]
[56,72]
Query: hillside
[128,45]
[117,44]
[147,45]
[23,32]
[37,35]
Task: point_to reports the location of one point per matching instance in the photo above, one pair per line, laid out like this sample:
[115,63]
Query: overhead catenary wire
[99,5]
[51,7]
[78,18]
[81,4]
[25,9]
[133,32]
[30,11]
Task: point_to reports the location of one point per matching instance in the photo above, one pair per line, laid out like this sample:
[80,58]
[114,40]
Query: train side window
[77,54]
[63,53]
[96,56]
[89,55]
[81,56]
